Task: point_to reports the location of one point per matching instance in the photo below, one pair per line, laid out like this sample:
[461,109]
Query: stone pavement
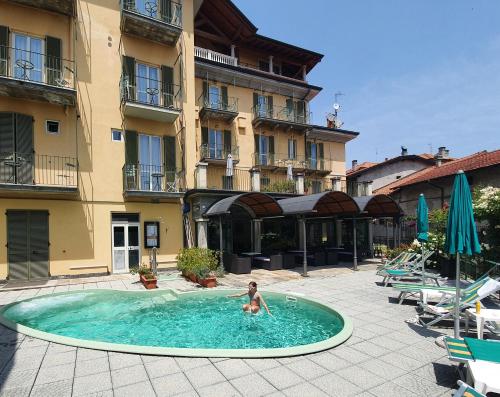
[384,357]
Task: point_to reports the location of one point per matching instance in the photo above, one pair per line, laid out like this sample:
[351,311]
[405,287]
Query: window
[316,186]
[148,7]
[313,156]
[292,149]
[262,105]
[215,144]
[116,135]
[150,162]
[148,84]
[263,150]
[27,61]
[52,127]
[214,96]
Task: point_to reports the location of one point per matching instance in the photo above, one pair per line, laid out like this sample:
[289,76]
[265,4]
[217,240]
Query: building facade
[117,120]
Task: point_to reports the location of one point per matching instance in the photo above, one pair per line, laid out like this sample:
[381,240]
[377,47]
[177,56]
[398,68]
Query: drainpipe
[440,188]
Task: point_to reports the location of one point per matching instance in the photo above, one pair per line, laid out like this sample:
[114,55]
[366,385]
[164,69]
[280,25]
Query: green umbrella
[422,227]
[461,235]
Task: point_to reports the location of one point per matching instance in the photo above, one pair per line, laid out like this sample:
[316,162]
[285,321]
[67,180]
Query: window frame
[122,138]
[58,127]
[13,48]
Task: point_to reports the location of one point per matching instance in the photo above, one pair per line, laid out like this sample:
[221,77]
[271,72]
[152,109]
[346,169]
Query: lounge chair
[402,258]
[445,309]
[408,261]
[466,390]
[413,272]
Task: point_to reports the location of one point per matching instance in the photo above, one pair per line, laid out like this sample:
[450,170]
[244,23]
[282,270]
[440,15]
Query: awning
[378,206]
[258,205]
[320,204]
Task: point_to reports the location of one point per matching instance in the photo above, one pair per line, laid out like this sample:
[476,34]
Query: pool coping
[329,343]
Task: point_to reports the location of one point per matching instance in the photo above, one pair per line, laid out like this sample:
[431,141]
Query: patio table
[480,318]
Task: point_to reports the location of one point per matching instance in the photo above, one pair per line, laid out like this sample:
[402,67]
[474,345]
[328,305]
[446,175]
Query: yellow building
[117,119]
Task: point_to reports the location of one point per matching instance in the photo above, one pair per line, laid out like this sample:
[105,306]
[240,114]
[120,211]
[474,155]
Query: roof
[364,165]
[320,204]
[378,206]
[425,157]
[258,204]
[475,161]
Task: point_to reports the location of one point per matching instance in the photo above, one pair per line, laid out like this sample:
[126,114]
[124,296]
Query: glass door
[148,84]
[213,97]
[27,61]
[261,106]
[133,245]
[148,7]
[215,144]
[126,246]
[150,162]
[314,156]
[264,150]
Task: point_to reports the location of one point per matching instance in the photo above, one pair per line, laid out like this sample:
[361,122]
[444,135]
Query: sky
[414,73]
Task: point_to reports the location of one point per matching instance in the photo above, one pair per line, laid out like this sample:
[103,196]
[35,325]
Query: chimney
[404,150]
[442,154]
[354,164]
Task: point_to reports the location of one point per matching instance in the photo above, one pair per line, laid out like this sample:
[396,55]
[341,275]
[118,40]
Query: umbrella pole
[220,241]
[304,259]
[355,250]
[423,263]
[457,298]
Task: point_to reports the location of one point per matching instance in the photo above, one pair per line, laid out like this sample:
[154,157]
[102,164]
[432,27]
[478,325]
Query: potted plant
[199,265]
[207,279]
[146,276]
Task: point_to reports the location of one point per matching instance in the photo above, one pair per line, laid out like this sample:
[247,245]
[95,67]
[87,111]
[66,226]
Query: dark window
[52,127]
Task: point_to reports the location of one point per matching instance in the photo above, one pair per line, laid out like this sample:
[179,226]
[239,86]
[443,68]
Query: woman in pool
[255,299]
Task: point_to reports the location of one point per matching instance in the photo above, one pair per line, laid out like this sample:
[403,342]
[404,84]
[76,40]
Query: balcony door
[214,97]
[215,144]
[150,162]
[148,84]
[27,60]
[126,246]
[151,8]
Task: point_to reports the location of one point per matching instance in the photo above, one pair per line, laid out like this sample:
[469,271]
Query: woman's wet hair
[253,284]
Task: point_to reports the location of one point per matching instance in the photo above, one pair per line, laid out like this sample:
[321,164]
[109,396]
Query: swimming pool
[165,322]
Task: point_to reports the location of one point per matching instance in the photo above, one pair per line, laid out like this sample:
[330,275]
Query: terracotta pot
[149,284]
[209,282]
[192,277]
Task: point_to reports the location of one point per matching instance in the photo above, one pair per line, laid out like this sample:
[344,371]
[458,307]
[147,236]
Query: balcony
[150,99]
[145,182]
[214,56]
[217,154]
[280,117]
[218,179]
[150,21]
[37,175]
[277,183]
[352,188]
[65,7]
[218,108]
[299,163]
[36,76]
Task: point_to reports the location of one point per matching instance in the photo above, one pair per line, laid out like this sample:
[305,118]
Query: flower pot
[149,283]
[209,282]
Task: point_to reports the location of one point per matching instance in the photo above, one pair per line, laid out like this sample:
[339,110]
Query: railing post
[255,180]
[202,233]
[201,175]
[300,184]
[369,188]
[336,186]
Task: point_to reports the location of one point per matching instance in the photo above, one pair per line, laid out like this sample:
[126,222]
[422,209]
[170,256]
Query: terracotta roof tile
[363,166]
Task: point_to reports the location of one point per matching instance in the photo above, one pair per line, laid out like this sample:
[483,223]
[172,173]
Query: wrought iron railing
[150,92]
[280,113]
[20,64]
[218,152]
[171,14]
[215,56]
[297,161]
[152,178]
[277,183]
[38,169]
[218,102]
[218,178]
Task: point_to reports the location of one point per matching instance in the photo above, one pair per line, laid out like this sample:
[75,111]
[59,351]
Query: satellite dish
[330,117]
[336,106]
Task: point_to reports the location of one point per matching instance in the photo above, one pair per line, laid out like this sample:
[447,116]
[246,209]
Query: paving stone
[224,389]
[391,389]
[388,342]
[334,385]
[401,361]
[120,360]
[19,363]
[16,392]
[360,377]
[304,389]
[370,349]
[172,385]
[60,389]
[18,379]
[420,386]
[253,385]
[381,368]
[54,374]
[350,354]
[234,368]
[58,348]
[92,384]
[90,354]
[143,389]
[307,369]
[329,361]
[128,375]
[204,376]
[187,363]
[281,377]
[261,364]
[56,359]
[163,366]
[89,367]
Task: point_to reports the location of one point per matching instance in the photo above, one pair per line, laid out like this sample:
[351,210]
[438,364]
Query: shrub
[280,187]
[200,261]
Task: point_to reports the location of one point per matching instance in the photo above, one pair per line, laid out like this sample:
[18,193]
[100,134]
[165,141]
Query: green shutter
[131,148]
[308,150]
[205,93]
[289,109]
[169,150]
[204,135]
[7,145]
[38,244]
[166,10]
[17,245]
[227,142]
[255,103]
[270,106]
[53,62]
[128,72]
[301,111]
[167,81]
[24,148]
[256,138]
[4,50]
[321,155]
[224,98]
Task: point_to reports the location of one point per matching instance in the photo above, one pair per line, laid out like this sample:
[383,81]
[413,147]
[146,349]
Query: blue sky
[421,73]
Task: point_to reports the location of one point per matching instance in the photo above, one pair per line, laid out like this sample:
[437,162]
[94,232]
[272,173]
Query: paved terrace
[384,357]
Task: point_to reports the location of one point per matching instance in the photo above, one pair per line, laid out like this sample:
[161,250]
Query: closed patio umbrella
[289,172]
[229,165]
[461,235]
[422,227]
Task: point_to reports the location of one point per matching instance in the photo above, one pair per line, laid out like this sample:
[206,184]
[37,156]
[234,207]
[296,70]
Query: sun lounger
[412,272]
[404,258]
[470,349]
[466,390]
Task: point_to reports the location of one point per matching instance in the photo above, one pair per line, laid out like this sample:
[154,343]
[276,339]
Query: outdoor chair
[444,310]
[332,258]
[397,262]
[272,262]
[237,264]
[289,260]
[466,390]
[412,271]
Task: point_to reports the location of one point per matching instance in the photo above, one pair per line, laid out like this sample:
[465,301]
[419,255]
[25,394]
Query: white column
[233,50]
[300,184]
[271,64]
[255,180]
[201,232]
[201,175]
[369,188]
[257,230]
[336,186]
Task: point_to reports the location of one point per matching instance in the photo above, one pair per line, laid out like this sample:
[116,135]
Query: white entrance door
[126,246]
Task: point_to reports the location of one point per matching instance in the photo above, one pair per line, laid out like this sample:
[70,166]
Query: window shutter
[321,155]
[205,92]
[6,134]
[270,106]
[167,80]
[224,98]
[308,150]
[131,149]
[204,135]
[24,148]
[227,142]
[169,148]
[53,59]
[38,231]
[4,44]
[289,108]
[128,71]
[255,103]
[166,10]
[257,143]
[301,111]
[271,145]
[17,241]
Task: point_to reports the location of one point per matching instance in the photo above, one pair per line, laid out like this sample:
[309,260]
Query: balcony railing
[217,178]
[151,92]
[215,56]
[277,183]
[280,113]
[152,178]
[352,188]
[36,67]
[356,189]
[171,14]
[218,103]
[218,152]
[38,169]
[298,162]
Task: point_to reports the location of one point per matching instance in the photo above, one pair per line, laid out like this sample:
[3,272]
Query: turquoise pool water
[161,318]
